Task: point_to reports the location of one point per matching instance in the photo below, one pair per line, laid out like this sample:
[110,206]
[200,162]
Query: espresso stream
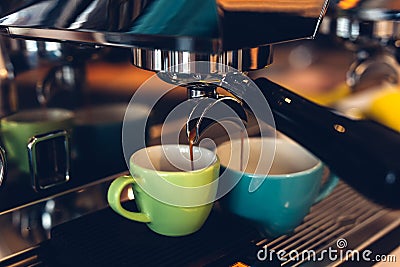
[192,136]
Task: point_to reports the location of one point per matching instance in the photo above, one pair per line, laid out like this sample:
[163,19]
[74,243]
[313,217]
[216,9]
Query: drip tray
[107,239]
[104,238]
[344,220]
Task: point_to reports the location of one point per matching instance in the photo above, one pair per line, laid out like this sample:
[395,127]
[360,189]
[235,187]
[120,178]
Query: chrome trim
[209,26]
[368,22]
[356,30]
[19,253]
[362,64]
[70,204]
[32,152]
[3,166]
[199,90]
[177,61]
[60,195]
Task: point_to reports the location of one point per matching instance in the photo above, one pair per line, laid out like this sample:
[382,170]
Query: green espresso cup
[287,187]
[172,199]
[25,129]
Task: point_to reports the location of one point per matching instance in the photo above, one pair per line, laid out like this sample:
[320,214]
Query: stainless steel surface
[365,23]
[367,63]
[202,90]
[172,61]
[40,183]
[212,25]
[23,228]
[154,28]
[29,54]
[376,10]
[372,30]
[356,30]
[7,7]
[66,75]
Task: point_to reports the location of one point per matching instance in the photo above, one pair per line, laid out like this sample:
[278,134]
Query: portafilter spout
[207,99]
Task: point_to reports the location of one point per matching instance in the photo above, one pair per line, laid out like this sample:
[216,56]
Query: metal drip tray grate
[223,240]
[103,238]
[344,215]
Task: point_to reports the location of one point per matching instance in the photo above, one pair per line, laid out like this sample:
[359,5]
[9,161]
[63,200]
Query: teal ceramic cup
[290,185]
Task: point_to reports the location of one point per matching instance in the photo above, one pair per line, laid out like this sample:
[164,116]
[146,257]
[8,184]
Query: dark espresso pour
[192,137]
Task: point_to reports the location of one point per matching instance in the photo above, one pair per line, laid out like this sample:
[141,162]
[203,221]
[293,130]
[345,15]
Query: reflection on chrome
[25,227]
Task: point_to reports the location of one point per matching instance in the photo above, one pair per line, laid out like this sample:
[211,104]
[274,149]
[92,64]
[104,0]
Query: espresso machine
[169,37]
[370,30]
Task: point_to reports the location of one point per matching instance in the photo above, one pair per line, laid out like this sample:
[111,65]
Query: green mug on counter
[172,199]
[288,184]
[36,141]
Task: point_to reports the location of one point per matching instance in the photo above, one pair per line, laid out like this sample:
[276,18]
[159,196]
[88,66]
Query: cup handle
[114,199]
[327,187]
